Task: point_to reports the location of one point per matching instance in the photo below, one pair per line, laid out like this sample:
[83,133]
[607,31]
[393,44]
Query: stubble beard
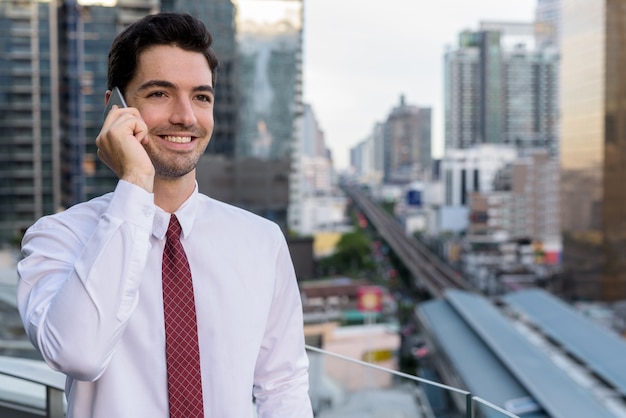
[170,171]
[173,167]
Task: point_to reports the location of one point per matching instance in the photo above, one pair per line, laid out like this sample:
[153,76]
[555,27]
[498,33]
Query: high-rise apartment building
[407,143]
[312,174]
[397,150]
[26,146]
[315,163]
[593,148]
[51,62]
[367,158]
[501,89]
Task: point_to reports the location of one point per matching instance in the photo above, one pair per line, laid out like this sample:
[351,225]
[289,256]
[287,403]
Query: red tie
[184,379]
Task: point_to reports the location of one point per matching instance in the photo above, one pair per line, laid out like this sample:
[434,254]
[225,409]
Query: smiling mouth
[177,139]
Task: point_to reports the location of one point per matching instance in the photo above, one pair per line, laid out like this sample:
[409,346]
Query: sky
[360,56]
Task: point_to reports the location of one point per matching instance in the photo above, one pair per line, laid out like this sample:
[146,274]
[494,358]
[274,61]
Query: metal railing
[30,388]
[340,386]
[343,386]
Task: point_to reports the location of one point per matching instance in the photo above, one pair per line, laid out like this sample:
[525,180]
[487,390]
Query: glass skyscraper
[269,37]
[593,148]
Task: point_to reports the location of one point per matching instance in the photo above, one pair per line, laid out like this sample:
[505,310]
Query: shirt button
[147,212]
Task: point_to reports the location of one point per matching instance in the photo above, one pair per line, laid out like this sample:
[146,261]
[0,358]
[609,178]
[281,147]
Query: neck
[170,194]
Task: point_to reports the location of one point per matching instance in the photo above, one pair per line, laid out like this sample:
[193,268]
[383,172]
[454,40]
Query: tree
[352,256]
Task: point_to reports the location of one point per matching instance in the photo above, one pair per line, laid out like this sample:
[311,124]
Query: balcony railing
[340,387]
[29,388]
[344,387]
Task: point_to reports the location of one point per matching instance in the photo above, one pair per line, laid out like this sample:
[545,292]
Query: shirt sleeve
[79,279]
[281,376]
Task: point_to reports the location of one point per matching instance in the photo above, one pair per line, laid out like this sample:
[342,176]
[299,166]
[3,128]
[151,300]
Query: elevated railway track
[427,270]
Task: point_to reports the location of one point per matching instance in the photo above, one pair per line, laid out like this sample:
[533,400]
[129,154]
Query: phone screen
[116,98]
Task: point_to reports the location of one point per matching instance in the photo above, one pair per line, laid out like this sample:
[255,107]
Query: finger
[140,131]
[136,124]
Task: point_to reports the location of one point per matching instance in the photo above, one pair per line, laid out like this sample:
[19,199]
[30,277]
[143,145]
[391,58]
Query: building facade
[523,204]
[269,74]
[312,178]
[465,171]
[500,88]
[52,84]
[548,22]
[398,150]
[407,143]
[593,148]
[367,158]
[28,188]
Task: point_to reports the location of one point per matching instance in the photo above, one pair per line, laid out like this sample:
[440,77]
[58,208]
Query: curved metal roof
[601,350]
[558,394]
[481,371]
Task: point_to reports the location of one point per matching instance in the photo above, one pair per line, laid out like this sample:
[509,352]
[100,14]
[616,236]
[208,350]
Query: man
[90,292]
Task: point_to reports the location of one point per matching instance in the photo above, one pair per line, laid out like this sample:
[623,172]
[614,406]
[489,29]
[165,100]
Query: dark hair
[166,28]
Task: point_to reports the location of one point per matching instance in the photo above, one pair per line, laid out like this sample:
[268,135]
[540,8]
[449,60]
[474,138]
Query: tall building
[316,165]
[28,187]
[407,146]
[52,67]
[269,77]
[501,89]
[367,158]
[397,150]
[523,203]
[548,22]
[593,148]
[313,143]
[312,175]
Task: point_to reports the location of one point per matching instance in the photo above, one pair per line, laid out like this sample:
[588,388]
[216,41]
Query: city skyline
[349,94]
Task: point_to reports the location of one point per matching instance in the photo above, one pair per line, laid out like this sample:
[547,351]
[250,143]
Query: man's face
[173,91]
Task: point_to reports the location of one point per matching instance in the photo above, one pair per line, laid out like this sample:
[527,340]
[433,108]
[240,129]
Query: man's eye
[156,94]
[205,98]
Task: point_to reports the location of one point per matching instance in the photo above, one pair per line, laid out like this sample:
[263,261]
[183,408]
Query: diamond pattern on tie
[184,378]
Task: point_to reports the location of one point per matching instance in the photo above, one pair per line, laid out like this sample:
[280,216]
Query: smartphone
[116,98]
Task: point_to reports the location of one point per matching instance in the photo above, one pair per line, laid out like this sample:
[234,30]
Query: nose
[182,112]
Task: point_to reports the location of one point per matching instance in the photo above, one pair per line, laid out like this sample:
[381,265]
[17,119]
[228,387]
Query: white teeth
[177,139]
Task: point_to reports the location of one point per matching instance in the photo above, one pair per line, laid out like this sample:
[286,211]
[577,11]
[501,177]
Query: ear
[107,96]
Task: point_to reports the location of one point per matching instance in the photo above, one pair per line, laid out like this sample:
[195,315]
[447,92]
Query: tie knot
[174,229]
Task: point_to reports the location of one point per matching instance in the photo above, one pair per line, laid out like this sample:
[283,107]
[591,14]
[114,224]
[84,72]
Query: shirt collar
[186,215]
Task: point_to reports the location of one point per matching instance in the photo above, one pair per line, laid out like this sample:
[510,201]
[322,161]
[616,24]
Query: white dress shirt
[91,301]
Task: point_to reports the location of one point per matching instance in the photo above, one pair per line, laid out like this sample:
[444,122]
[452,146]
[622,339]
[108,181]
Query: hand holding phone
[115,98]
[127,158]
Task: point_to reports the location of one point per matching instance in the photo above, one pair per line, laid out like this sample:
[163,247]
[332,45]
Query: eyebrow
[168,84]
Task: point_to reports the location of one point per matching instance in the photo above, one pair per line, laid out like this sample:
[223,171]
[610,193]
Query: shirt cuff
[132,204]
